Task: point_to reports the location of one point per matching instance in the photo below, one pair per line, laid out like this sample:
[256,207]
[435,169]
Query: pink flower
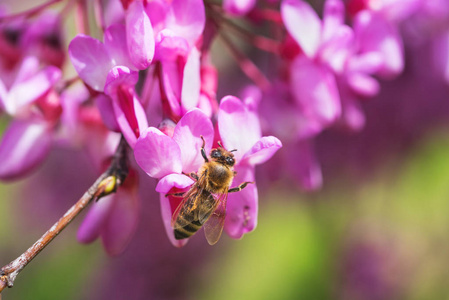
[239,128]
[114,218]
[35,107]
[44,39]
[93,59]
[178,28]
[336,65]
[325,48]
[166,158]
[115,73]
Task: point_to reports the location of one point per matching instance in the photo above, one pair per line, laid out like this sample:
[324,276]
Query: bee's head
[223,156]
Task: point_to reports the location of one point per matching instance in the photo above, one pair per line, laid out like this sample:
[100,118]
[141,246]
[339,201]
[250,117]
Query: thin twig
[248,67]
[29,13]
[104,185]
[264,43]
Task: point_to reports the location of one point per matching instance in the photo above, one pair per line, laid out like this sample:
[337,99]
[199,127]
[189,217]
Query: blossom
[252,149]
[35,107]
[177,31]
[115,74]
[114,218]
[325,48]
[166,158]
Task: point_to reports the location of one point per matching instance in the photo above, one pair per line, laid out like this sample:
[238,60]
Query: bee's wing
[188,206]
[214,226]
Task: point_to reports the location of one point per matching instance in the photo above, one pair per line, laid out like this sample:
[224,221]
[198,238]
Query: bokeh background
[376,230]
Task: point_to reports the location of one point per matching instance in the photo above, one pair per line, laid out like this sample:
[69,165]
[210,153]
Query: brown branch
[106,184]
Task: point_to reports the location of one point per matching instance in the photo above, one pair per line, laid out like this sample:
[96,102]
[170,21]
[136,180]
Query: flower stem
[29,13]
[117,171]
[247,66]
[264,43]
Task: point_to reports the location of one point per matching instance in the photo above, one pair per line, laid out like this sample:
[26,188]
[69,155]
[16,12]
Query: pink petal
[25,92]
[251,97]
[24,146]
[128,111]
[117,49]
[262,151]
[315,90]
[171,81]
[187,135]
[242,207]
[169,46]
[157,11]
[363,85]
[238,126]
[157,154]
[338,48]
[104,104]
[140,36]
[306,168]
[113,13]
[28,68]
[302,24]
[352,115]
[170,181]
[95,218]
[369,63]
[333,17]
[187,19]
[118,76]
[191,81]
[238,7]
[3,95]
[122,221]
[399,10]
[91,60]
[308,126]
[167,212]
[375,34]
[441,55]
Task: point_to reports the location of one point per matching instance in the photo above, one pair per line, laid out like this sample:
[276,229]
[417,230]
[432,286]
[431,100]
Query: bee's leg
[240,187]
[192,175]
[179,195]
[203,151]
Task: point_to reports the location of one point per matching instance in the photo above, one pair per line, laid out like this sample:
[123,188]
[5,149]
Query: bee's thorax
[219,176]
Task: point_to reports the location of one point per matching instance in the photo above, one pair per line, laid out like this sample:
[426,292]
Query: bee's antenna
[233,150]
[219,144]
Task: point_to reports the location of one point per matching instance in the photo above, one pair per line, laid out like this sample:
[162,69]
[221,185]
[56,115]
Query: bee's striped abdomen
[188,230]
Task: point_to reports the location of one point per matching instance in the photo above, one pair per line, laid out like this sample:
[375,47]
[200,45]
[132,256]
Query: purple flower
[178,28]
[93,59]
[113,218]
[166,158]
[112,67]
[44,39]
[35,107]
[325,47]
[239,128]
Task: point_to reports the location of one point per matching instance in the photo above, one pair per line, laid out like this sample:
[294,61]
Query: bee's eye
[215,154]
[230,161]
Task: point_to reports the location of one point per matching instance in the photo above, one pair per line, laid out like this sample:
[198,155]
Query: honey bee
[205,202]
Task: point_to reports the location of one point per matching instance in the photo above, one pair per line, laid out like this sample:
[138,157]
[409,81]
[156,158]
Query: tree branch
[106,184]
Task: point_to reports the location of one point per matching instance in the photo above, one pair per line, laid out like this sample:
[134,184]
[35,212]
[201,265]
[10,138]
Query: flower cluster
[145,71]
